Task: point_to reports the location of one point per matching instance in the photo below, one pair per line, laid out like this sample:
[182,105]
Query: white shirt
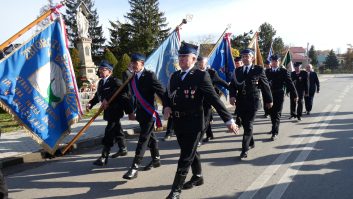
[186,72]
[246,68]
[140,73]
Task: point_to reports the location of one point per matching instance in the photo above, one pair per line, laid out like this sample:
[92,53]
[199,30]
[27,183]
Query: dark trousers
[207,126]
[247,119]
[296,108]
[309,102]
[3,187]
[170,127]
[266,110]
[276,111]
[113,131]
[189,156]
[147,138]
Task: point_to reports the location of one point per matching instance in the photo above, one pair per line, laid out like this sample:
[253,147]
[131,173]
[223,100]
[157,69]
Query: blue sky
[324,24]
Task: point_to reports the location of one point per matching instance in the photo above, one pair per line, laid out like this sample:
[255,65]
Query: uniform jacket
[216,81]
[300,81]
[148,85]
[314,84]
[186,98]
[121,103]
[280,80]
[246,88]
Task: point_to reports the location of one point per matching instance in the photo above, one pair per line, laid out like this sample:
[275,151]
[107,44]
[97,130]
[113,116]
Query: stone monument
[87,69]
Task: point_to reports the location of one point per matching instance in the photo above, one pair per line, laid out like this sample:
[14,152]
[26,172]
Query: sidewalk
[17,147]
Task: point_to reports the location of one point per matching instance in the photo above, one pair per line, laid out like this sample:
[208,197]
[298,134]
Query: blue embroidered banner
[164,60]
[37,86]
[221,60]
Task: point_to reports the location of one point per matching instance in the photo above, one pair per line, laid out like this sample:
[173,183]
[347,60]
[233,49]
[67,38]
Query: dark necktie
[246,71]
[181,75]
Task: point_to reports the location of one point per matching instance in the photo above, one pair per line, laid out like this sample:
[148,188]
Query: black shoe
[274,137]
[101,161]
[243,155]
[252,146]
[121,152]
[269,132]
[308,112]
[173,195]
[153,164]
[207,139]
[167,138]
[299,118]
[130,174]
[265,116]
[199,144]
[292,116]
[194,181]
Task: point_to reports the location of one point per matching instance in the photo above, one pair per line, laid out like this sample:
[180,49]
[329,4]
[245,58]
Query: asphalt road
[312,158]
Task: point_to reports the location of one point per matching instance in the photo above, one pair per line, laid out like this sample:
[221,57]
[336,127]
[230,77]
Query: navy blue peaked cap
[187,48]
[106,64]
[138,57]
[275,57]
[247,51]
[236,59]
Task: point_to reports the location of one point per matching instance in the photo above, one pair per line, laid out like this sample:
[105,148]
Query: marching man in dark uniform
[207,108]
[125,76]
[314,86]
[112,112]
[300,80]
[244,93]
[279,79]
[187,90]
[144,86]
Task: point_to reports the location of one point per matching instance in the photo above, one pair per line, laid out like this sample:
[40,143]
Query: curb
[41,155]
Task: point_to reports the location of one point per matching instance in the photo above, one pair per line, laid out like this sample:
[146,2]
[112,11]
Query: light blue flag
[270,53]
[164,60]
[221,60]
[37,86]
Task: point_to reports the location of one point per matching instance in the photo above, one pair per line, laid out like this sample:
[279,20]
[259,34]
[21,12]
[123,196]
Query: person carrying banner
[187,89]
[300,80]
[244,93]
[112,112]
[207,108]
[144,86]
[125,76]
[314,87]
[267,65]
[279,79]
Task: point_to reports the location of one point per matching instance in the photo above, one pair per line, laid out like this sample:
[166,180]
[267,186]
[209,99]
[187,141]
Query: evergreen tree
[331,61]
[349,60]
[278,47]
[76,64]
[266,36]
[43,10]
[147,25]
[95,31]
[109,56]
[122,65]
[70,21]
[313,56]
[241,42]
[120,39]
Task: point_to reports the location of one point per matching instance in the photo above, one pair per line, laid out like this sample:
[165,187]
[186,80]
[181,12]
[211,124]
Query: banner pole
[80,133]
[27,28]
[219,39]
